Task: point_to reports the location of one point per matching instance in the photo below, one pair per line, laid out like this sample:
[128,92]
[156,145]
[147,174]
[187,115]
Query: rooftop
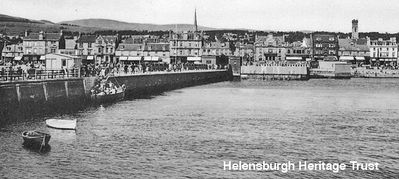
[46,36]
[353,45]
[87,39]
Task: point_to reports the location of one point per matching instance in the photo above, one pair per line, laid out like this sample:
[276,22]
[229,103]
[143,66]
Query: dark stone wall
[24,100]
[20,101]
[154,83]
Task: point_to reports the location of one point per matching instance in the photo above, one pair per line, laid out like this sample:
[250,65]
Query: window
[331,38]
[89,45]
[319,45]
[331,45]
[331,52]
[318,38]
[63,62]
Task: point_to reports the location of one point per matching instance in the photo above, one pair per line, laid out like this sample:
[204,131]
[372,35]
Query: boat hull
[36,139]
[61,124]
[108,98]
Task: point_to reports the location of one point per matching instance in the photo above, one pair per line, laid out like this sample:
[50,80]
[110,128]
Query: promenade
[13,73]
[375,73]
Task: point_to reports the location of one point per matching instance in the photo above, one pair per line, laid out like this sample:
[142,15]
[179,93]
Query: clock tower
[355,29]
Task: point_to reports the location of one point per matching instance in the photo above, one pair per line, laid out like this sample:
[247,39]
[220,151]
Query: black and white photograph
[199,89]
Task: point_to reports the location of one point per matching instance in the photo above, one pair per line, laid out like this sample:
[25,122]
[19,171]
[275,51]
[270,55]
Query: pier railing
[36,74]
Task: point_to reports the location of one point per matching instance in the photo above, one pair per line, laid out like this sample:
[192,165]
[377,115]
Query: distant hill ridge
[17,26]
[7,18]
[120,25]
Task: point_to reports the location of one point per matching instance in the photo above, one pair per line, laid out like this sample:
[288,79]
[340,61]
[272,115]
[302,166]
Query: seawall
[276,72]
[22,100]
[375,73]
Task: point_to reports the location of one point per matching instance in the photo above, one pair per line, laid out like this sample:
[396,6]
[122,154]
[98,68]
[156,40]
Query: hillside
[119,25]
[6,18]
[17,26]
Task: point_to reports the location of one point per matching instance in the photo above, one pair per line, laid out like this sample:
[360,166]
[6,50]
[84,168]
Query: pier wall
[137,85]
[276,72]
[22,100]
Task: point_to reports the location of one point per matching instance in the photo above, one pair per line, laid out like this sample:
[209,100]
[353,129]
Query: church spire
[195,20]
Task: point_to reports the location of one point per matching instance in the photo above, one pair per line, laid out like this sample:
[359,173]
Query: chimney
[368,41]
[41,35]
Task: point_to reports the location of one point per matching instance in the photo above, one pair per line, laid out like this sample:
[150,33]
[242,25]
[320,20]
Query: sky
[283,15]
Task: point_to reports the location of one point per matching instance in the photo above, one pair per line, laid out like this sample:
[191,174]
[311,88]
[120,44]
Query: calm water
[188,133]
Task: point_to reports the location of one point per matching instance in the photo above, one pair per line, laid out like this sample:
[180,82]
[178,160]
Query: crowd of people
[29,70]
[104,87]
[20,71]
[126,69]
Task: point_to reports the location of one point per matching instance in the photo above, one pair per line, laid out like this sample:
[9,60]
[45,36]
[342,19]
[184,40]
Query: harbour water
[190,132]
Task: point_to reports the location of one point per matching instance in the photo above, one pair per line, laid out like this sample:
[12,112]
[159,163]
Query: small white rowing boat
[61,124]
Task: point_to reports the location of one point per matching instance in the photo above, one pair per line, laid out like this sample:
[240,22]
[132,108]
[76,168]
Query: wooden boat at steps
[35,138]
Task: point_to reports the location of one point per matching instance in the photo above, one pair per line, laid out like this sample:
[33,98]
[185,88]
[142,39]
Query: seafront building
[299,51]
[270,48]
[324,46]
[214,53]
[70,46]
[136,51]
[85,46]
[245,52]
[36,45]
[156,52]
[383,52]
[12,52]
[129,53]
[186,47]
[354,51]
[104,49]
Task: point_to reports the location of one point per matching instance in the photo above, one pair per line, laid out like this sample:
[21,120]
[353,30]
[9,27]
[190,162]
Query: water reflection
[37,148]
[190,132]
[64,136]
